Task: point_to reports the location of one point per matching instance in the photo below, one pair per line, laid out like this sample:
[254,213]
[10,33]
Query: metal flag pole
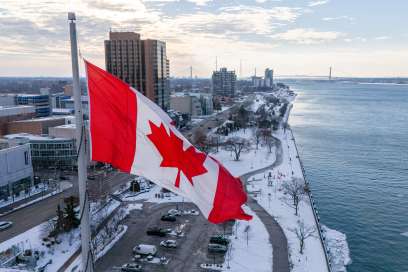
[87,262]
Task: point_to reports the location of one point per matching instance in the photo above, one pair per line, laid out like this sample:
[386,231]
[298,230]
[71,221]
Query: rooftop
[32,137]
[42,119]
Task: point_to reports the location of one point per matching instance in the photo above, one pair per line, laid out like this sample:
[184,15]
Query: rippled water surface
[353,139]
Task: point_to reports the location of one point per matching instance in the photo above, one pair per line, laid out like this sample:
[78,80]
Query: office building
[47,151]
[41,102]
[224,83]
[16,171]
[143,64]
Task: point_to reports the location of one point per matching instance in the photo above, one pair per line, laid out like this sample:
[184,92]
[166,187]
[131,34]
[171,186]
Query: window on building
[26,157]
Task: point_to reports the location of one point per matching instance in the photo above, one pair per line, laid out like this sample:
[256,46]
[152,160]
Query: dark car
[131,267]
[155,231]
[168,217]
[220,240]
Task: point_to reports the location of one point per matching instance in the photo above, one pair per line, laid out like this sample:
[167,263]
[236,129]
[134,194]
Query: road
[35,214]
[191,251]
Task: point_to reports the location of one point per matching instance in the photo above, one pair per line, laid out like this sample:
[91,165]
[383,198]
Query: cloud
[382,38]
[318,3]
[307,36]
[200,2]
[344,17]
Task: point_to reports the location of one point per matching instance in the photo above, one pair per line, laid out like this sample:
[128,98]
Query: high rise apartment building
[143,64]
[224,82]
[123,57]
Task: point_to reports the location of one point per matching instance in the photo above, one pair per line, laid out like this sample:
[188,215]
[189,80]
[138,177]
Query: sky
[361,38]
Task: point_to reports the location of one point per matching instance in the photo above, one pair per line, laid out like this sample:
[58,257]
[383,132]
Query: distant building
[206,102]
[186,104]
[143,64]
[41,102]
[268,78]
[58,100]
[16,171]
[47,151]
[70,104]
[224,82]
[257,81]
[9,114]
[37,126]
[68,90]
[7,99]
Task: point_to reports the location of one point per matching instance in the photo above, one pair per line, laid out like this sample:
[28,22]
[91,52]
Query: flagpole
[87,264]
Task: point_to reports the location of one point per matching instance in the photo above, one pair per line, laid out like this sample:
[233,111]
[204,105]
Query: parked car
[217,248]
[143,249]
[156,231]
[174,212]
[169,218]
[220,240]
[5,225]
[91,177]
[169,243]
[131,267]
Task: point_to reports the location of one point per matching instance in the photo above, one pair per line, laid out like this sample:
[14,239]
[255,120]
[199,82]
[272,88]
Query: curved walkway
[276,235]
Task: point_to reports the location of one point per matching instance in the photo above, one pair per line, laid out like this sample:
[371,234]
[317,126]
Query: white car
[169,243]
[174,212]
[145,250]
[5,225]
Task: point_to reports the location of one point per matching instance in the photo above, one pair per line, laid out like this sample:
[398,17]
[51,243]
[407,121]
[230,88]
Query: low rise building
[14,113]
[16,170]
[36,126]
[47,151]
[187,104]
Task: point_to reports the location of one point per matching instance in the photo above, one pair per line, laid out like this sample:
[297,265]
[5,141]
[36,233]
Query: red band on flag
[113,115]
[229,198]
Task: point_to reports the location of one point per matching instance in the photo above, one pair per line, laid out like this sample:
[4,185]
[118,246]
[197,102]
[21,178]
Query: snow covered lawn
[250,249]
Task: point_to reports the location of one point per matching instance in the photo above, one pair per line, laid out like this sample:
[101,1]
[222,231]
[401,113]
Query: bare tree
[302,233]
[200,140]
[237,145]
[270,142]
[258,135]
[295,188]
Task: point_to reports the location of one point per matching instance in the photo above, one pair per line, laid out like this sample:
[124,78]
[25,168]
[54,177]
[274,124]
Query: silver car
[5,225]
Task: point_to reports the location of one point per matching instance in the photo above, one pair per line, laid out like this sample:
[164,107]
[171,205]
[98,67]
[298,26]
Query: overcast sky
[295,37]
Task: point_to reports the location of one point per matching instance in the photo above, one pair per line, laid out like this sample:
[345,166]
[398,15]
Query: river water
[353,140]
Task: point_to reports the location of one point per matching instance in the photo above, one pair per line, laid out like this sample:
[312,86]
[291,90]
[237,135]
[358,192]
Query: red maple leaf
[170,147]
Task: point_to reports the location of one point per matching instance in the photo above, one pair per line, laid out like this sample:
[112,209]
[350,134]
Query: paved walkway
[276,235]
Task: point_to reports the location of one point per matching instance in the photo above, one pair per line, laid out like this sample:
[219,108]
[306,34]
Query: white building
[188,104]
[16,170]
[47,151]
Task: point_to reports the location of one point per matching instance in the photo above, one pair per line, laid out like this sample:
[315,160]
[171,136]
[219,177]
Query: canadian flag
[136,136]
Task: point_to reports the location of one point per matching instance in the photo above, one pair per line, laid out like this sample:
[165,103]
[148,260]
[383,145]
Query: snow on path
[252,256]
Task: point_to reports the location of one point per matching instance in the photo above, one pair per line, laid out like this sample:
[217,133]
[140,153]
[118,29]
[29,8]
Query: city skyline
[296,37]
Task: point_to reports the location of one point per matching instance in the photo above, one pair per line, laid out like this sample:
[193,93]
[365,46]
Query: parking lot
[191,250]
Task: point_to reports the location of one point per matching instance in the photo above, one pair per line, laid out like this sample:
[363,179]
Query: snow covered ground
[250,161]
[250,249]
[67,245]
